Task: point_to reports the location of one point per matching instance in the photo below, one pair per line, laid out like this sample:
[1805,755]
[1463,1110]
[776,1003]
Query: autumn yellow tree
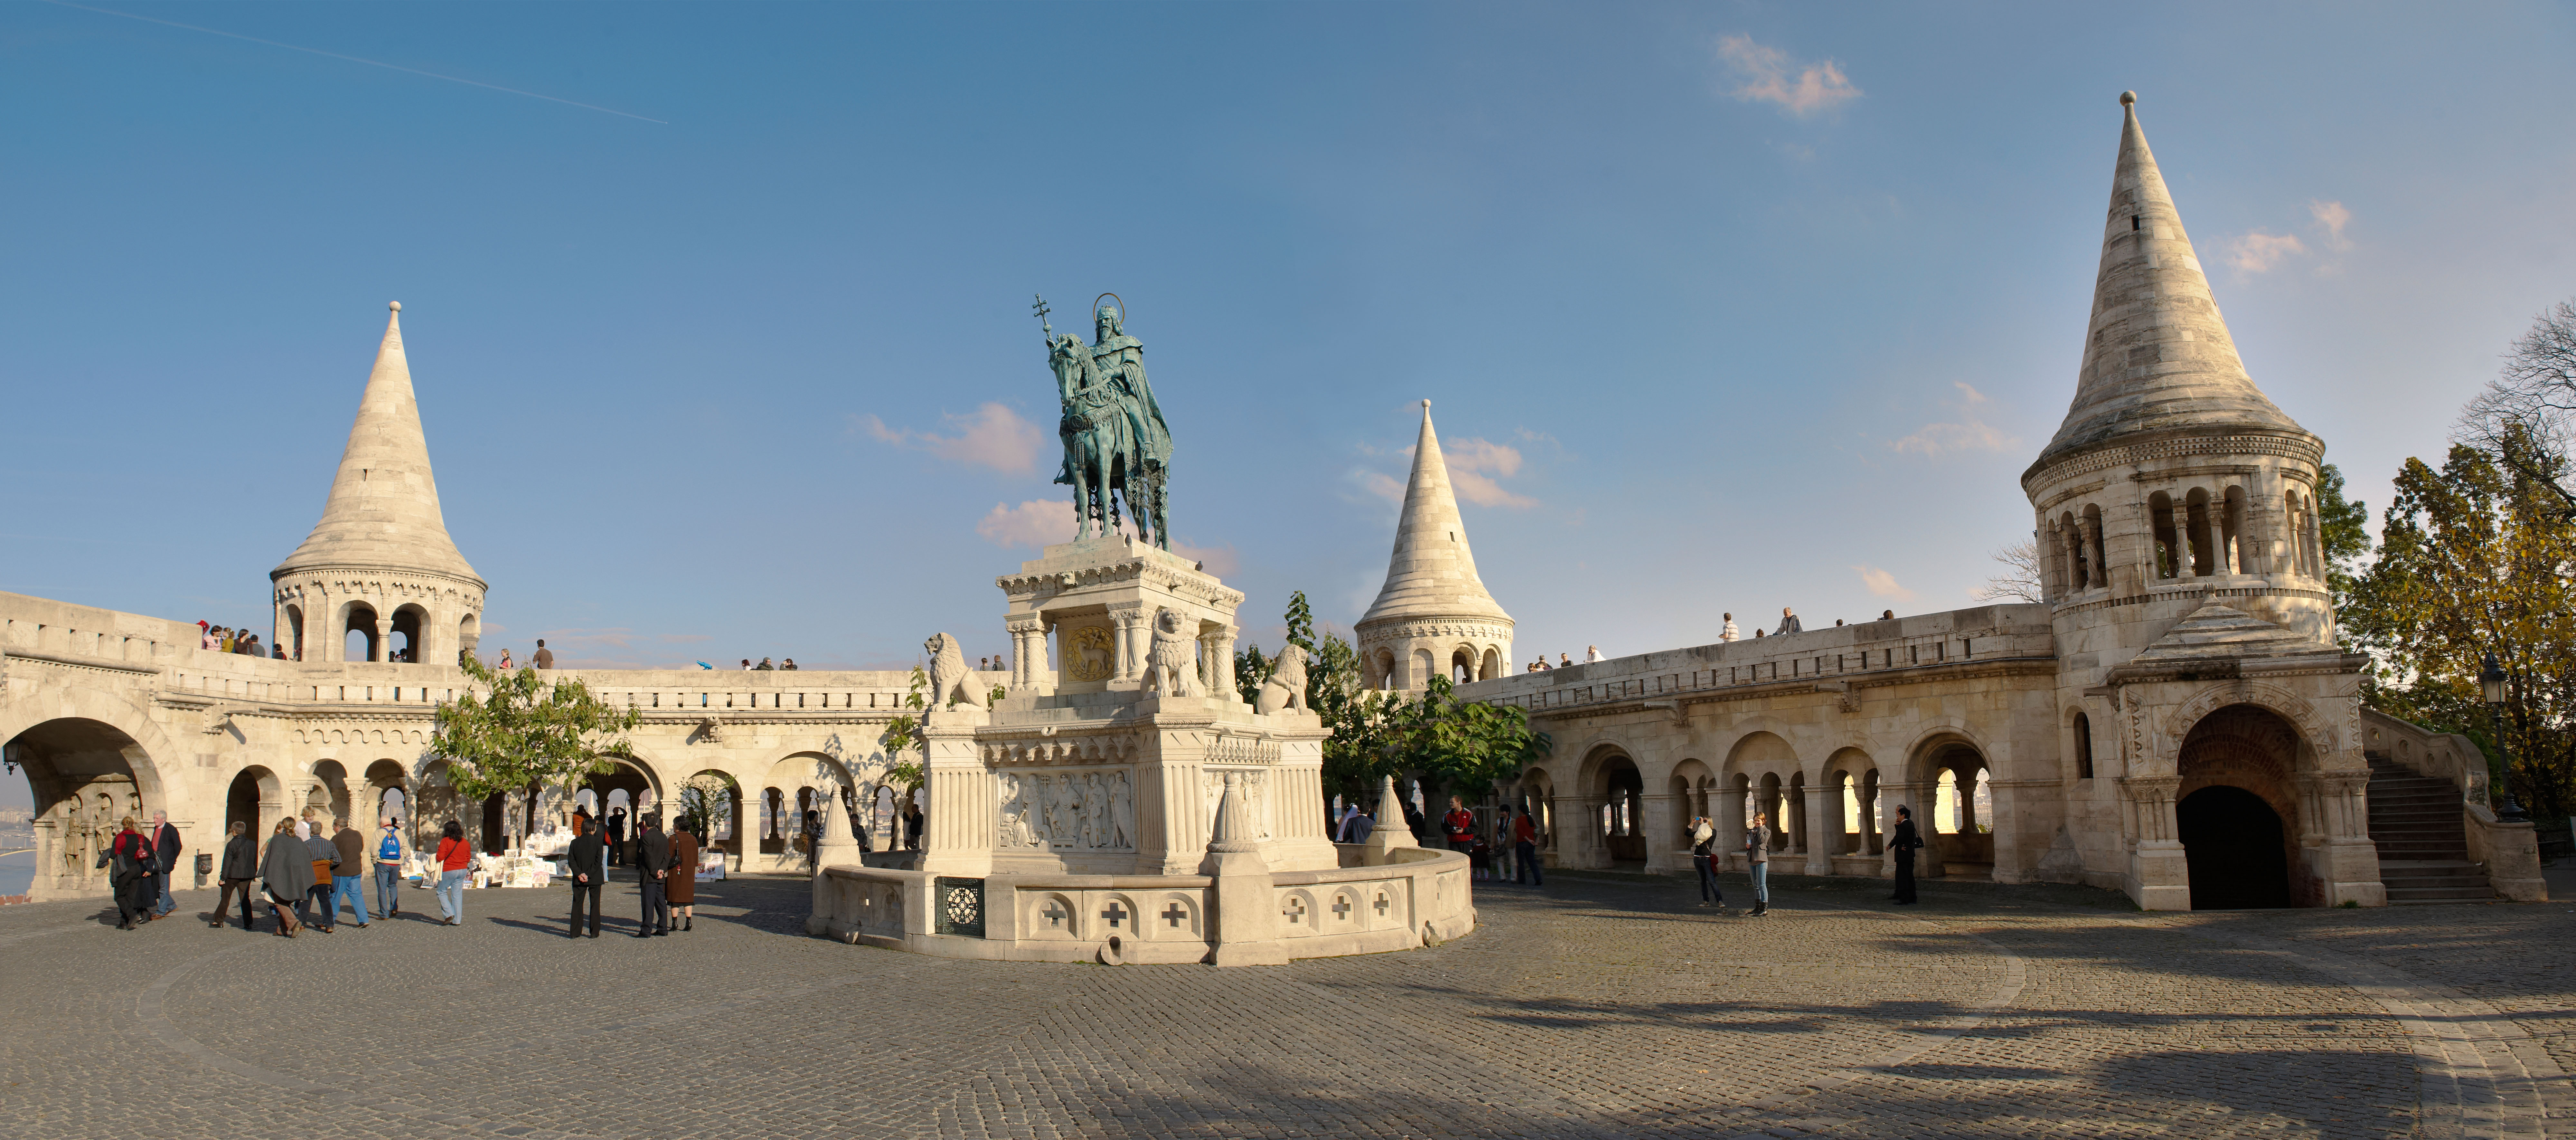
[2475,559]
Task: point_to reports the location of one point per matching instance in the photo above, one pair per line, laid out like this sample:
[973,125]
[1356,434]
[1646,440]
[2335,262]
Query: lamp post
[2491,679]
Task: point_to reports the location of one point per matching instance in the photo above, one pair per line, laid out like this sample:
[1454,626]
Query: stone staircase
[2423,845]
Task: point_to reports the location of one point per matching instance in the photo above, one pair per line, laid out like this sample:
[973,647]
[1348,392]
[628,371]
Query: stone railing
[1822,658]
[1419,896]
[2509,852]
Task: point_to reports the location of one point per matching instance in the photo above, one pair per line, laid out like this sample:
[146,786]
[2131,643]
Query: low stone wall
[1415,896]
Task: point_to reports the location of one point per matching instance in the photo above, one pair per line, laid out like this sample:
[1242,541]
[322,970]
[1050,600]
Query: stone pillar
[836,848]
[1820,855]
[1659,824]
[1243,914]
[1221,664]
[2178,517]
[2159,875]
[1126,623]
[384,647]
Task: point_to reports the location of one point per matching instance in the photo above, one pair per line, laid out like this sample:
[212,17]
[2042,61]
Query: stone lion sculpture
[951,682]
[1172,665]
[1286,688]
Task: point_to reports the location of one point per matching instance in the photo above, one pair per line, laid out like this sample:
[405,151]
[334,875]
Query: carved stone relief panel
[1256,791]
[1082,809]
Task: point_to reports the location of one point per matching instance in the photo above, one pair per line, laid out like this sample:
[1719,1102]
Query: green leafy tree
[1469,745]
[903,735]
[1251,671]
[2475,559]
[527,729]
[706,804]
[2343,525]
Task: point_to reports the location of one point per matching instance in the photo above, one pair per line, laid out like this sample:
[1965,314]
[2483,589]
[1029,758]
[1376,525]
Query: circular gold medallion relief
[1090,654]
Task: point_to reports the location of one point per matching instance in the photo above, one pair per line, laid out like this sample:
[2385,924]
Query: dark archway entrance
[2232,839]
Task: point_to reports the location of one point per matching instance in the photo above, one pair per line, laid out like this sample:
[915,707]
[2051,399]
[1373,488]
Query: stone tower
[2178,541]
[1433,613]
[380,562]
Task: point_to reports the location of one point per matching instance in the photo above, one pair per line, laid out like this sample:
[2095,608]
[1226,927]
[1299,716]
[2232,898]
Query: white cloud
[990,436]
[1382,485]
[1035,523]
[1218,560]
[1883,584]
[1969,434]
[2258,252]
[1476,464]
[2331,217]
[1763,76]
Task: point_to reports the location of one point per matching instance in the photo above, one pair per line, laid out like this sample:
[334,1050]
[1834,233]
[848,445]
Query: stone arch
[1494,665]
[1690,785]
[410,631]
[1418,670]
[83,776]
[1614,789]
[1947,767]
[2314,731]
[790,789]
[1852,824]
[2079,743]
[355,617]
[1463,664]
[290,631]
[330,790]
[145,743]
[469,631]
[719,832]
[1537,792]
[387,790]
[256,798]
[2258,752]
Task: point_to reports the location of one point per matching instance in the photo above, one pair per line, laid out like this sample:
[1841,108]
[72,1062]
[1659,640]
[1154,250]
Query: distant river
[17,869]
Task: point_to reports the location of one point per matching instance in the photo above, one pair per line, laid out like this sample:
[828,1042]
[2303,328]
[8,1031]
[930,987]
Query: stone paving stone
[1597,1007]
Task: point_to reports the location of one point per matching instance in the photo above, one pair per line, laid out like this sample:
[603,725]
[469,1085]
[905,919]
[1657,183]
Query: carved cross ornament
[1115,914]
[1174,915]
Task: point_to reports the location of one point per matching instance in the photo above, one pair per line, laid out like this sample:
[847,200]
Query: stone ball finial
[1426,405]
[2128,98]
[396,306]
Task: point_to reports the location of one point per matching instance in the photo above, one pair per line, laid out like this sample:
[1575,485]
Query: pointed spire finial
[2128,98]
[395,306]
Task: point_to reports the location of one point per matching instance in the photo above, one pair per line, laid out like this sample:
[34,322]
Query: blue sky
[1721,306]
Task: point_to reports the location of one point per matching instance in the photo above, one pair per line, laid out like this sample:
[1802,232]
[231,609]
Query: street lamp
[2491,678]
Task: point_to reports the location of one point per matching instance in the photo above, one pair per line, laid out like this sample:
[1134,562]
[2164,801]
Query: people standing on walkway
[240,869]
[1592,653]
[545,658]
[286,873]
[1459,826]
[680,890]
[1357,826]
[652,872]
[506,663]
[1704,860]
[587,860]
[455,864]
[165,862]
[326,863]
[1904,843]
[132,877]
[1525,849]
[617,837]
[813,841]
[389,861]
[912,822]
[1757,859]
[1729,633]
[348,877]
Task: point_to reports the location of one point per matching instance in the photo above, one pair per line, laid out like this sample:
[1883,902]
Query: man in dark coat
[1904,843]
[617,837]
[652,871]
[681,888]
[165,859]
[587,859]
[287,871]
[240,869]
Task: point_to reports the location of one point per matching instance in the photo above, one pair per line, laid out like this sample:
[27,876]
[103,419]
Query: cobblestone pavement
[1599,1007]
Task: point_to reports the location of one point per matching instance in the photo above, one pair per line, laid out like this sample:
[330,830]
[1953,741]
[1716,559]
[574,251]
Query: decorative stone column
[1658,823]
[1221,664]
[1127,622]
[2178,516]
[384,647]
[2159,873]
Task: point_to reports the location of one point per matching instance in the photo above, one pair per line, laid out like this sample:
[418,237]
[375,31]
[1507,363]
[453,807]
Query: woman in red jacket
[137,886]
[455,858]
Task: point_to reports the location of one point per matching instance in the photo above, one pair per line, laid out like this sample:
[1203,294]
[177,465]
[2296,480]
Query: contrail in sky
[355,59]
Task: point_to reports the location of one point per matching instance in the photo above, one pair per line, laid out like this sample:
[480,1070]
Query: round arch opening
[2233,841]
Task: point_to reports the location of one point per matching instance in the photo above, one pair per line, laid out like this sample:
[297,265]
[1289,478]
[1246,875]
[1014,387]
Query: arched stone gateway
[2244,857]
[84,776]
[2236,847]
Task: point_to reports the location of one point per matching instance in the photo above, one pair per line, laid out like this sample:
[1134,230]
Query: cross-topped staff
[1042,311]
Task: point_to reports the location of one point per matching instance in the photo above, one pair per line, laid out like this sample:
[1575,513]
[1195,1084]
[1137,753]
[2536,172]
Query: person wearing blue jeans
[388,867]
[165,857]
[455,864]
[1704,860]
[1757,859]
[1525,851]
[348,876]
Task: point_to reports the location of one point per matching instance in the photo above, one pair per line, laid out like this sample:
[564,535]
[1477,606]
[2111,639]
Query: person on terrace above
[1789,621]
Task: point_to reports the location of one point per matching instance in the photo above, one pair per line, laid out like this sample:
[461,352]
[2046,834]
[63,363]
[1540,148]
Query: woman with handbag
[286,872]
[136,887]
[455,863]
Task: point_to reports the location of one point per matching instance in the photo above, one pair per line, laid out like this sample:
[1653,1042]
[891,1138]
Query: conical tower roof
[383,512]
[1432,573]
[2157,357]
